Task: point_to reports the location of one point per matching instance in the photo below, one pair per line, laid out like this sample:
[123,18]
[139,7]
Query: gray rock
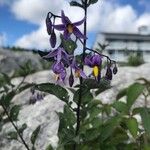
[44,112]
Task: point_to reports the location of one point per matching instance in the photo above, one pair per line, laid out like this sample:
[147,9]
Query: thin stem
[98,53]
[23,141]
[81,79]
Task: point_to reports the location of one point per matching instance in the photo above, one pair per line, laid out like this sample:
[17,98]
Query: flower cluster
[63,60]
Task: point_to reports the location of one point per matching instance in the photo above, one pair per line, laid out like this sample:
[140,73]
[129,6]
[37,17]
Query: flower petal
[65,20]
[53,39]
[78,33]
[59,27]
[82,74]
[59,55]
[66,34]
[79,22]
[51,54]
[88,61]
[96,60]
[63,75]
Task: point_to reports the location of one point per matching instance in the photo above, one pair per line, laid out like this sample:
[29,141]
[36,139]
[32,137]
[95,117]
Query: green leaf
[86,96]
[93,84]
[132,125]
[24,87]
[94,112]
[49,147]
[91,134]
[35,134]
[74,3]
[120,106]
[23,127]
[54,89]
[146,147]
[67,118]
[14,112]
[110,126]
[7,78]
[119,136]
[12,135]
[94,103]
[93,1]
[145,115]
[69,115]
[6,99]
[121,93]
[69,45]
[133,92]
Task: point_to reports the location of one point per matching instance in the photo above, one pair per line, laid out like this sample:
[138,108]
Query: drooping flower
[69,28]
[115,70]
[59,70]
[94,62]
[77,70]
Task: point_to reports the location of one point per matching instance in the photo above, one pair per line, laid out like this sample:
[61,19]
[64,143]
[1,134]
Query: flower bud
[71,80]
[48,24]
[108,75]
[115,70]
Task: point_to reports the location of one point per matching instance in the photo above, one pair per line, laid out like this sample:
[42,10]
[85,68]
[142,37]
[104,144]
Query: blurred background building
[121,45]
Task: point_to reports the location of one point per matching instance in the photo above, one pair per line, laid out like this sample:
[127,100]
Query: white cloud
[106,15]
[35,10]
[37,39]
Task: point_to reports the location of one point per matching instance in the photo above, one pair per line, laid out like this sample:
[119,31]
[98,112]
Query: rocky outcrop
[44,112]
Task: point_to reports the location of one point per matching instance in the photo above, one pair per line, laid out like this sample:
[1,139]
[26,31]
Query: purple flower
[77,71]
[94,62]
[59,70]
[59,55]
[69,28]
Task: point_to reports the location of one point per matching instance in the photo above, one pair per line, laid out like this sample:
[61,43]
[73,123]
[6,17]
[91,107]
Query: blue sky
[20,28]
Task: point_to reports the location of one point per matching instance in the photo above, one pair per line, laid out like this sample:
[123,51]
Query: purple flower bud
[53,39]
[115,70]
[108,75]
[71,79]
[48,24]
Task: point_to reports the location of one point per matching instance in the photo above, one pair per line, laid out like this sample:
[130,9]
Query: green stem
[17,130]
[78,114]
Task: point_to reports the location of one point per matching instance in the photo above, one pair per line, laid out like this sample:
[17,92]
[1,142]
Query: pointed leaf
[14,112]
[93,1]
[86,96]
[145,115]
[74,3]
[132,125]
[49,147]
[54,89]
[120,106]
[35,134]
[133,92]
